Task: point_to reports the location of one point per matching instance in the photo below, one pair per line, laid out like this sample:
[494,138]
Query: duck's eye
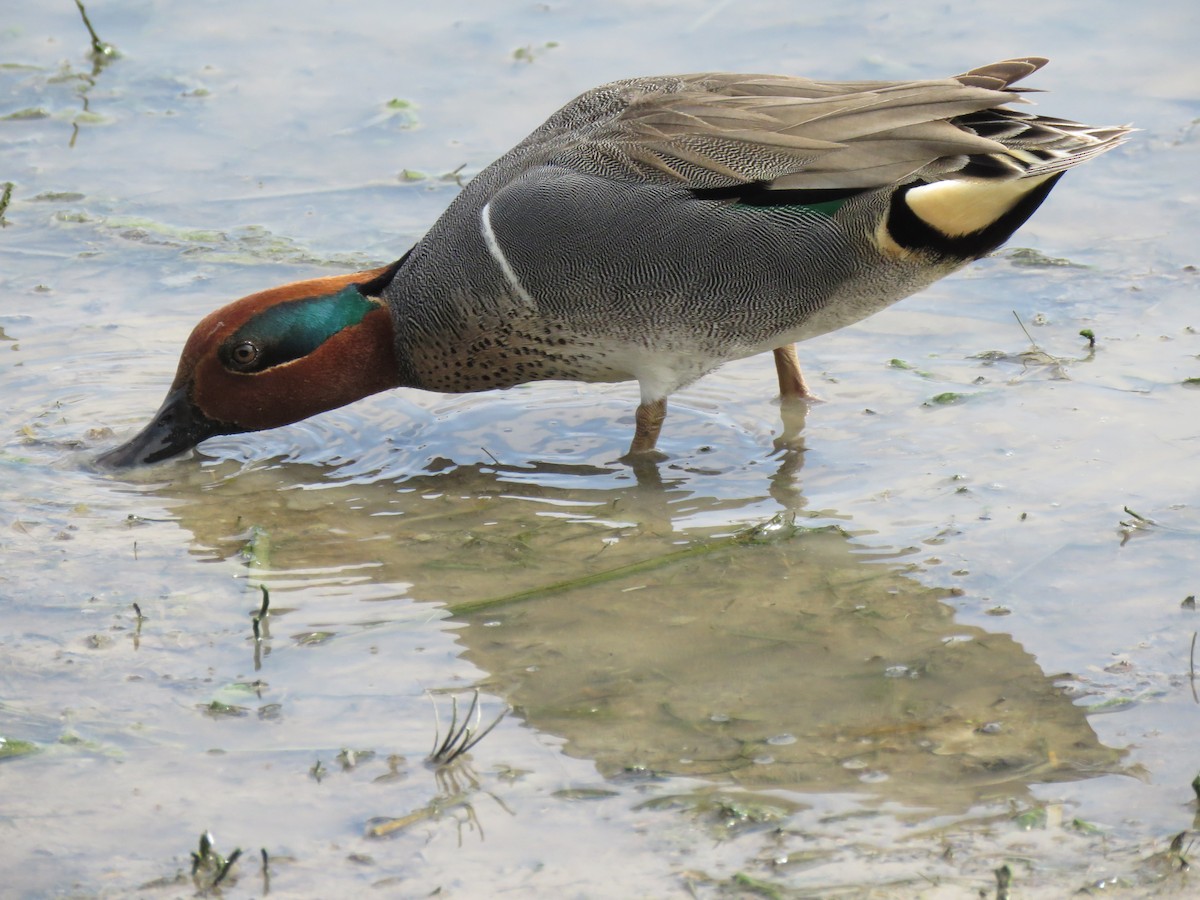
[244,354]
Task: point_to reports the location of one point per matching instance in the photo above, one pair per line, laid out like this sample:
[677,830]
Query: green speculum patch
[294,329]
[828,208]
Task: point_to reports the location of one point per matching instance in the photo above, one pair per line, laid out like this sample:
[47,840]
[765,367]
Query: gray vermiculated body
[571,258]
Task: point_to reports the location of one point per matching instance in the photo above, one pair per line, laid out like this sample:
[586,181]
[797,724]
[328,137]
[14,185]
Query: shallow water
[921,641]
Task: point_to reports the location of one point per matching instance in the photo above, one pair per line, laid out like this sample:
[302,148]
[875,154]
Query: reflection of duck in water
[791,660]
[651,230]
[780,657]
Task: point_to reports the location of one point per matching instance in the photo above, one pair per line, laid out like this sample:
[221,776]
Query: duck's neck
[455,328]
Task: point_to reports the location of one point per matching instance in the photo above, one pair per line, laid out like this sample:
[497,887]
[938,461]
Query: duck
[650,230]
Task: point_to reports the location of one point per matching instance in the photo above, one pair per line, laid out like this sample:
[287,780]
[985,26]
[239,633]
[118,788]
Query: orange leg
[791,382]
[649,421]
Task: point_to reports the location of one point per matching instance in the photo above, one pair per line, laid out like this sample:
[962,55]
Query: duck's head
[273,358]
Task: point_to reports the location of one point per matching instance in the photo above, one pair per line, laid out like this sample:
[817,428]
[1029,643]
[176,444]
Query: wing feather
[712,130]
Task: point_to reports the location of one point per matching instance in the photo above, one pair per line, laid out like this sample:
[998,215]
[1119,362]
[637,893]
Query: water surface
[922,641]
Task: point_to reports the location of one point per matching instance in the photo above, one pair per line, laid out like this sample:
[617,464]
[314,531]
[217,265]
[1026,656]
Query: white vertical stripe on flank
[489,238]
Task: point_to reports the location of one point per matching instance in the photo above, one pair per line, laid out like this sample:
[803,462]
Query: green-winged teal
[651,230]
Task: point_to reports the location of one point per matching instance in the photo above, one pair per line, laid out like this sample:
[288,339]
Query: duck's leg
[791,382]
[649,421]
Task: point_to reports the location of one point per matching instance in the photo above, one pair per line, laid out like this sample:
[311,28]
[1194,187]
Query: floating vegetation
[416,176]
[399,113]
[1036,259]
[906,366]
[28,114]
[245,245]
[529,52]
[257,550]
[585,793]
[218,710]
[768,889]
[313,638]
[351,759]
[728,813]
[947,398]
[11,748]
[403,113]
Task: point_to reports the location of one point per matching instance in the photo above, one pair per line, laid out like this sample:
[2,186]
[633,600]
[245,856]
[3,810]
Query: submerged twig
[446,803]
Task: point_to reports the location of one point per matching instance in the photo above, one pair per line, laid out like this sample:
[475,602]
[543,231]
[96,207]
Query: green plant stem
[756,535]
[99,48]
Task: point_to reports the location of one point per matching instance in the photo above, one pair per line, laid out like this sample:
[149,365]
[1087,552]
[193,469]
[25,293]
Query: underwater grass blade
[780,527]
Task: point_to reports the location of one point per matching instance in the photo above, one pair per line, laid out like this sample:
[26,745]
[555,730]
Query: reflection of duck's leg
[793,413]
[789,450]
[649,504]
[649,478]
[794,397]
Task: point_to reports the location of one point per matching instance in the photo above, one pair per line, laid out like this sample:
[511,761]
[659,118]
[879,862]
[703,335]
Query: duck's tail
[1034,146]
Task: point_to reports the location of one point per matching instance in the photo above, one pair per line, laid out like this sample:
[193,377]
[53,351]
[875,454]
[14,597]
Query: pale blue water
[231,147]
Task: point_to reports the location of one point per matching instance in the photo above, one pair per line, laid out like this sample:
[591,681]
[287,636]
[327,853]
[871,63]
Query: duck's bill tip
[146,448]
[177,427]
